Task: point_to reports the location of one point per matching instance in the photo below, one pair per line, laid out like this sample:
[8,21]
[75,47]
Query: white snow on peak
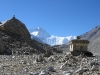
[71,37]
[50,39]
[34,33]
[39,32]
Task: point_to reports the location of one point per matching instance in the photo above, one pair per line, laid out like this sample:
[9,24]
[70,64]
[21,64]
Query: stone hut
[79,46]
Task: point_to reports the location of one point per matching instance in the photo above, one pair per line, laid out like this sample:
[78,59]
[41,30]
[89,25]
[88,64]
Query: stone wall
[78,46]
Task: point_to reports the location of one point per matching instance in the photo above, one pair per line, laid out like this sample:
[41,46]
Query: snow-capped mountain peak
[71,37]
[45,37]
[39,32]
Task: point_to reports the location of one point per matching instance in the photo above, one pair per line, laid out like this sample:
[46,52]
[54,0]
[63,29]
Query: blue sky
[57,17]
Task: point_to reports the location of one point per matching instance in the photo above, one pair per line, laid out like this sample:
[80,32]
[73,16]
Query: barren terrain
[58,64]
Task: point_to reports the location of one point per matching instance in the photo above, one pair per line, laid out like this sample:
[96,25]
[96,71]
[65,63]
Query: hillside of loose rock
[15,39]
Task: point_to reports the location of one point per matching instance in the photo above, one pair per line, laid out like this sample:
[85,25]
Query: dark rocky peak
[15,26]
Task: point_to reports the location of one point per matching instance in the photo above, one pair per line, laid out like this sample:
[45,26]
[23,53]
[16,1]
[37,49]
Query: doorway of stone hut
[81,47]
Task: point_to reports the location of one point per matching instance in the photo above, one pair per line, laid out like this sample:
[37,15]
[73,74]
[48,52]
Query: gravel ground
[62,64]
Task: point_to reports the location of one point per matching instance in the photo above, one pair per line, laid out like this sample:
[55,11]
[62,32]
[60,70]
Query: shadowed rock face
[1,47]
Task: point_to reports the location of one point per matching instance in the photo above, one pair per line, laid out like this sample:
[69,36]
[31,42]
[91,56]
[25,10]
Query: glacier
[43,36]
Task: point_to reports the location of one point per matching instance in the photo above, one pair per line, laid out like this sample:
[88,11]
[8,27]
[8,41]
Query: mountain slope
[49,39]
[92,34]
[94,37]
[15,39]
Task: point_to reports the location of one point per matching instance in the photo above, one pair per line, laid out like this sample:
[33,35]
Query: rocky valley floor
[58,64]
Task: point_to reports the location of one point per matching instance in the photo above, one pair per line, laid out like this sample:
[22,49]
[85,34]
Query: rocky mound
[15,39]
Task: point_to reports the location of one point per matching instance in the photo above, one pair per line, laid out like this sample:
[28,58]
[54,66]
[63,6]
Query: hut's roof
[79,41]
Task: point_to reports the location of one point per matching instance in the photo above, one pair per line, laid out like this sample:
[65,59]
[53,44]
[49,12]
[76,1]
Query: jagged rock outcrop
[17,40]
[15,26]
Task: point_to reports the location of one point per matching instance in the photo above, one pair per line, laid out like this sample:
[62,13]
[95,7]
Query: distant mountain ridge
[41,34]
[92,34]
[94,37]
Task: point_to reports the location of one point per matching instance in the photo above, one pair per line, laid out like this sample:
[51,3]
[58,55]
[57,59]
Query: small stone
[26,69]
[31,73]
[50,69]
[28,64]
[63,67]
[51,58]
[80,70]
[95,68]
[67,73]
[13,57]
[44,72]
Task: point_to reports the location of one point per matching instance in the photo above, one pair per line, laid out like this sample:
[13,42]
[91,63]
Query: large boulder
[15,26]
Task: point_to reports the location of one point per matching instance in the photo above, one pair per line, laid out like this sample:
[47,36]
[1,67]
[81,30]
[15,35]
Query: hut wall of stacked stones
[78,44]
